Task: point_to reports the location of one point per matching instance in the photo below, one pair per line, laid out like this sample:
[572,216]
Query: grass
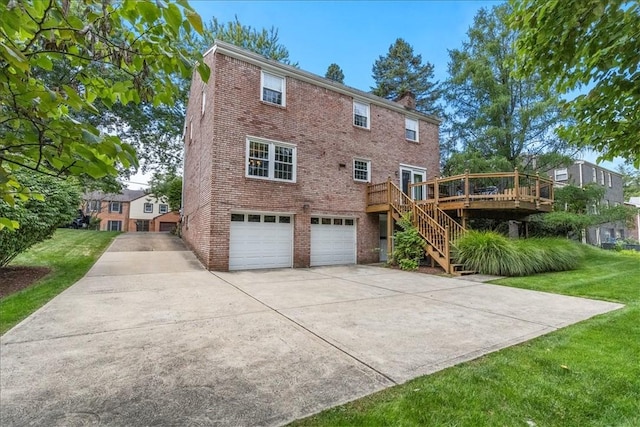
[493,253]
[69,255]
[587,374]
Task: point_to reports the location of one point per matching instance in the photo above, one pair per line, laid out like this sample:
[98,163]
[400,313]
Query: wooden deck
[507,195]
[488,195]
[441,207]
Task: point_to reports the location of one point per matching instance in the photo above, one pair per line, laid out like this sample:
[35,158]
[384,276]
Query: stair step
[463,272]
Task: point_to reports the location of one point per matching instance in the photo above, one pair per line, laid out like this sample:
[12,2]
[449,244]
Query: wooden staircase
[436,227]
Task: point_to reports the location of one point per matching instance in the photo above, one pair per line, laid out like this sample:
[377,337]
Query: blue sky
[354,34]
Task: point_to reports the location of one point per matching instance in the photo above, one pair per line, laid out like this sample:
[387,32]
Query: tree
[630,181]
[38,218]
[577,208]
[400,71]
[155,131]
[475,162]
[114,52]
[263,42]
[168,186]
[588,46]
[492,111]
[334,72]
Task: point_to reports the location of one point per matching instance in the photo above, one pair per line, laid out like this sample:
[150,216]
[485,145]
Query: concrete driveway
[149,337]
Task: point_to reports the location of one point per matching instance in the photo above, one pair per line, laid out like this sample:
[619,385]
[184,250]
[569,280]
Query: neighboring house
[112,209]
[582,173]
[148,213]
[277,162]
[131,210]
[634,230]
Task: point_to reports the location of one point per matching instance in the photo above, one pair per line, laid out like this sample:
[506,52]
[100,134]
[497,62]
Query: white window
[561,174]
[273,89]
[163,209]
[594,175]
[361,115]
[271,160]
[362,170]
[601,177]
[95,205]
[204,100]
[148,208]
[411,129]
[115,207]
[609,178]
[114,225]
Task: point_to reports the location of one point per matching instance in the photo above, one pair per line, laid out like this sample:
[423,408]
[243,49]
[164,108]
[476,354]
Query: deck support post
[516,184]
[436,190]
[389,233]
[447,251]
[537,190]
[466,188]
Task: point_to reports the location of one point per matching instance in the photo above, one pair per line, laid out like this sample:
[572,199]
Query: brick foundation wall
[319,122]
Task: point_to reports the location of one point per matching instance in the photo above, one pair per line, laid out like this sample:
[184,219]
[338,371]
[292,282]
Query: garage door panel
[255,245]
[333,244]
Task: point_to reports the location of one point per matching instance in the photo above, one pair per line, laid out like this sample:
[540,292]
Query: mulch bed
[14,279]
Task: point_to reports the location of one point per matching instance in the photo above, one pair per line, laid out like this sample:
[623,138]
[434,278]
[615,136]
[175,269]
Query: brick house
[129,211]
[277,162]
[581,173]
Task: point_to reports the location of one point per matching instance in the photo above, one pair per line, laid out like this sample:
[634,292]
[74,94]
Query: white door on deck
[333,241]
[260,241]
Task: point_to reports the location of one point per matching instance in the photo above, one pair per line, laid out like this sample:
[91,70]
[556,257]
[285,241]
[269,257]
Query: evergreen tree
[400,71]
[491,111]
[334,72]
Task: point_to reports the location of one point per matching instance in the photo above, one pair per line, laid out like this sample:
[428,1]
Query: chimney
[408,99]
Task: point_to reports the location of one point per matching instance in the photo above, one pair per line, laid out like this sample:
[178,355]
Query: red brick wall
[319,122]
[106,216]
[197,194]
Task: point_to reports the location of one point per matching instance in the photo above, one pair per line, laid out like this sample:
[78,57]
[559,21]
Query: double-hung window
[609,178]
[148,208]
[411,129]
[362,170]
[115,207]
[561,174]
[163,209]
[114,225]
[361,114]
[601,177]
[271,160]
[95,205]
[273,89]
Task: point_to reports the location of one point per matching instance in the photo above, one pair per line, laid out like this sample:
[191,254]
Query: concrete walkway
[149,337]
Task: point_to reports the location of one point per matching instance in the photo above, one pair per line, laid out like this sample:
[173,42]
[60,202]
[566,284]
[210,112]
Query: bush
[492,253]
[38,219]
[409,246]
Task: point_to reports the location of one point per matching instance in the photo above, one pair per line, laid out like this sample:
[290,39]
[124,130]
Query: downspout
[580,169]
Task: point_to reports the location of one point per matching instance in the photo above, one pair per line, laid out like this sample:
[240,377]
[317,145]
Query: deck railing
[499,186]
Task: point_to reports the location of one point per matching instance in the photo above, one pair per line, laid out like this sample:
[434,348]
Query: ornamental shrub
[408,245]
[38,219]
[492,253]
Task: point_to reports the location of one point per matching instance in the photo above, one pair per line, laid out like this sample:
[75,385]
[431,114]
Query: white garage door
[260,241]
[333,241]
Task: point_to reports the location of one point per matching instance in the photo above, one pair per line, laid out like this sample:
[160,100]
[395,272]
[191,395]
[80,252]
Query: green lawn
[583,375]
[69,255]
